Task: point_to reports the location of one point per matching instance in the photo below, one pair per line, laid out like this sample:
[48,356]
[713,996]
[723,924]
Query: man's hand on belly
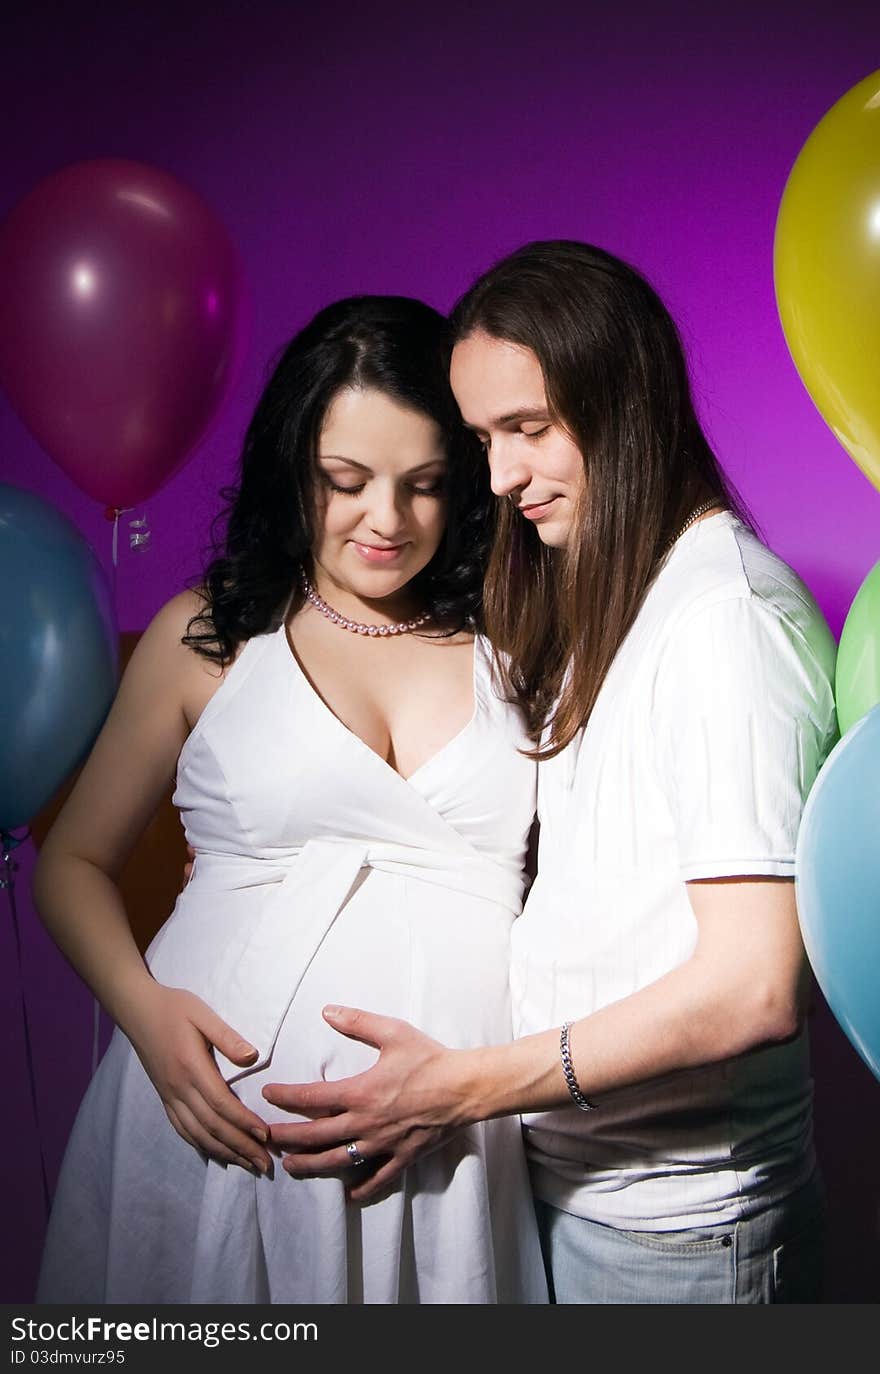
[403,1107]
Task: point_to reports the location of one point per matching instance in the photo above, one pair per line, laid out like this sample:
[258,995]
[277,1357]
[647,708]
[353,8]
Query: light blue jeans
[775,1256]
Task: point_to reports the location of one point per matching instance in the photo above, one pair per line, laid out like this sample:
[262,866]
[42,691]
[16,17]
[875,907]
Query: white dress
[321,876]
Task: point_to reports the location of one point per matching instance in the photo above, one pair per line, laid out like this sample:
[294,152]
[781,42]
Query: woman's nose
[386,516]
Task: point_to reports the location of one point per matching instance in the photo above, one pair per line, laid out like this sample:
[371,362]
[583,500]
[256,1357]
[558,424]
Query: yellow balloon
[826,267]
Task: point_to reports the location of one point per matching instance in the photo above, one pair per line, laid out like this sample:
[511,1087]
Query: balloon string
[96,1032]
[113,513]
[10,842]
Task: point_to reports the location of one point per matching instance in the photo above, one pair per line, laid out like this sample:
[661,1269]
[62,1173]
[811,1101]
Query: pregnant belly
[401,948]
[398,946]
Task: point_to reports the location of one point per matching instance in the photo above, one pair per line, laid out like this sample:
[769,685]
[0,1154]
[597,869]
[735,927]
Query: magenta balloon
[120,319]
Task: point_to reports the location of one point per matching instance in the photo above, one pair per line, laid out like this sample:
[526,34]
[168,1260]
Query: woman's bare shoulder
[172,620]
[160,654]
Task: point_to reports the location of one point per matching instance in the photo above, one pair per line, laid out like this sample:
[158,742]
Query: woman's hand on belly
[403,1107]
[172,1031]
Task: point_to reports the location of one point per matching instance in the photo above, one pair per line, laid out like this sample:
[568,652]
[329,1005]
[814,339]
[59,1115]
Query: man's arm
[743,986]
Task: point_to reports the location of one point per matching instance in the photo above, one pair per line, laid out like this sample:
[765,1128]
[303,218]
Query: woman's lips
[372,554]
[535,512]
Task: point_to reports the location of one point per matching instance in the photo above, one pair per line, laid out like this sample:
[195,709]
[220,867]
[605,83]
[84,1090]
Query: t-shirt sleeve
[743,717]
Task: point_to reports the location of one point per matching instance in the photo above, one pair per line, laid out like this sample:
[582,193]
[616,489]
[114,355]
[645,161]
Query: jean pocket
[682,1242]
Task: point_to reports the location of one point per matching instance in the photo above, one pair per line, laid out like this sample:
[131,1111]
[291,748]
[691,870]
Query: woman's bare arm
[127,773]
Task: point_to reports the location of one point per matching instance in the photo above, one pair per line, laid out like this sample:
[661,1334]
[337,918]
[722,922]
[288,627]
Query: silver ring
[354,1153]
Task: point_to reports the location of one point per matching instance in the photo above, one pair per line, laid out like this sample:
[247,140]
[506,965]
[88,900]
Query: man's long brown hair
[616,381]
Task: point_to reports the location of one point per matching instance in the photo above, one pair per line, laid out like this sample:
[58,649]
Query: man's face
[499,387]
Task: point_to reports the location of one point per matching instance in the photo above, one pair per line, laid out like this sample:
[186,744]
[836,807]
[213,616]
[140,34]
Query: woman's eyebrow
[440,460]
[338,458]
[362,467]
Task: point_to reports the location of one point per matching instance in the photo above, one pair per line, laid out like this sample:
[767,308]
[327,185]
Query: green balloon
[857,681]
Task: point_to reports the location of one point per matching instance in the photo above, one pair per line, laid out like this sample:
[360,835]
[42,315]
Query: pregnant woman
[359,809]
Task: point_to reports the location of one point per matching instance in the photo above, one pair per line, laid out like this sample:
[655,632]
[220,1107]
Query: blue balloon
[59,651]
[838,884]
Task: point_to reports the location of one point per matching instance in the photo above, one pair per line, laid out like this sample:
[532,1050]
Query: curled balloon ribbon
[139,531]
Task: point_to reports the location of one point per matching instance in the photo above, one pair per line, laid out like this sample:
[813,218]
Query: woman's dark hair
[391,344]
[616,381]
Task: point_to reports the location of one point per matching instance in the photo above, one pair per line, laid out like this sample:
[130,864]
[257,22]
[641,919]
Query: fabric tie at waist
[251,987]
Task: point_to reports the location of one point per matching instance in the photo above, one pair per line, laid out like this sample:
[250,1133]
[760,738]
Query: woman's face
[381,507]
[499,387]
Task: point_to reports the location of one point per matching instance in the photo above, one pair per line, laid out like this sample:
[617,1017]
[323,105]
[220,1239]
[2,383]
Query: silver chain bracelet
[570,1075]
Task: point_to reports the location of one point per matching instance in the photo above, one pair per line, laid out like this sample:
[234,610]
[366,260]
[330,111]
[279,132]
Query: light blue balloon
[838,884]
[58,652]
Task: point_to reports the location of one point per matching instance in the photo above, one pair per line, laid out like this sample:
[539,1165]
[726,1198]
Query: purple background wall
[374,147]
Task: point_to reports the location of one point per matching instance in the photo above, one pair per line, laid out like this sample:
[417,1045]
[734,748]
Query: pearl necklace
[401,627]
[692,518]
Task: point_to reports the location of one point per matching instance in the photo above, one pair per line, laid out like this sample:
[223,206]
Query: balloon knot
[9,842]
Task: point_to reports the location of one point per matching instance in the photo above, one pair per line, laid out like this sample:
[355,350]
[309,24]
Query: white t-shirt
[709,730]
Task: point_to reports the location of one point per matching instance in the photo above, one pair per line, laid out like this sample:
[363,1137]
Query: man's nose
[507,471]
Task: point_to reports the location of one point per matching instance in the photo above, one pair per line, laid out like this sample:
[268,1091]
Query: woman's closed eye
[435,487]
[353,490]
